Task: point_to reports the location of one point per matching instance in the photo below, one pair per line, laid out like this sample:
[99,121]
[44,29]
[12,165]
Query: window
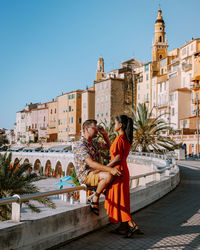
[147,77]
[79,95]
[58,122]
[138,86]
[138,96]
[71,96]
[101,114]
[51,111]
[160,87]
[183,51]
[55,111]
[97,114]
[183,81]
[79,120]
[72,119]
[154,95]
[44,118]
[172,111]
[160,39]
[147,86]
[146,67]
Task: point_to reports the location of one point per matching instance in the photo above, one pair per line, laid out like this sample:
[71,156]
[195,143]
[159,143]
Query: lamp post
[197,112]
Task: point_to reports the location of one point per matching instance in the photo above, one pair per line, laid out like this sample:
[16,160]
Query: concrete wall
[53,229]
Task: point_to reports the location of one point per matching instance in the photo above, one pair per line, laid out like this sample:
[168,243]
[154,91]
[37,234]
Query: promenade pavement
[173,222]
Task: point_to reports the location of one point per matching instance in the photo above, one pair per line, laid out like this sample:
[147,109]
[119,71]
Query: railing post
[157,176]
[167,172]
[16,209]
[83,195]
[143,181]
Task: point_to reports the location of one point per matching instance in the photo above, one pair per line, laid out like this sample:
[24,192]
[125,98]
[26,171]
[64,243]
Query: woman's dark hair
[127,126]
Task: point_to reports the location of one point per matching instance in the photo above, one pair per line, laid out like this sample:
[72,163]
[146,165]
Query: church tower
[100,74]
[159,46]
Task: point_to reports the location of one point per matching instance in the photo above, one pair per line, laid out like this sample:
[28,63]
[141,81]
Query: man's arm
[114,162]
[105,137]
[97,166]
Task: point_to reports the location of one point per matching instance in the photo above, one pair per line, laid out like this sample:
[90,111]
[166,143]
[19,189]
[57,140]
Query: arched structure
[16,161]
[58,169]
[47,160]
[48,168]
[26,160]
[37,166]
[70,168]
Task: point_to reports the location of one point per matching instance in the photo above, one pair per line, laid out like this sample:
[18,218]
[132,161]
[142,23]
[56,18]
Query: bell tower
[100,74]
[159,46]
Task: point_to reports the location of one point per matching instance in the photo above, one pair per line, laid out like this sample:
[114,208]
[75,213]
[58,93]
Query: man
[88,169]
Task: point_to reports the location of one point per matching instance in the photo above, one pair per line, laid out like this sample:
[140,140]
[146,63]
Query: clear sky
[52,46]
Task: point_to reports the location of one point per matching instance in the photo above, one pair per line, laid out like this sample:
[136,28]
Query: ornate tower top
[159,17]
[100,69]
[159,46]
[100,65]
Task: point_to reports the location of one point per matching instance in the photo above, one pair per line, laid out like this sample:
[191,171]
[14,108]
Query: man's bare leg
[105,179]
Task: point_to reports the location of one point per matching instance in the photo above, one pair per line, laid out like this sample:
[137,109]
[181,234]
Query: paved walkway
[173,222]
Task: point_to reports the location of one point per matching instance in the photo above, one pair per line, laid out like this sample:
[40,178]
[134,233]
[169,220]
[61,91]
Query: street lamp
[197,113]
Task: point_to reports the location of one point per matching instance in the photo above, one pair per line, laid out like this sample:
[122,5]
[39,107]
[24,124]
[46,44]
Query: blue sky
[52,46]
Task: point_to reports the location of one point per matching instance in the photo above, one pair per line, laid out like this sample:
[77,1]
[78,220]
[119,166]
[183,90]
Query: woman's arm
[114,162]
[97,166]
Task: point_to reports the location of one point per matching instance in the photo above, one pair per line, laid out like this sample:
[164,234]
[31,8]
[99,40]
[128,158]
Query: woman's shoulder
[120,139]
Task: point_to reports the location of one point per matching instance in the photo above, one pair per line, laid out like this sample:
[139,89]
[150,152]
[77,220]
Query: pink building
[39,121]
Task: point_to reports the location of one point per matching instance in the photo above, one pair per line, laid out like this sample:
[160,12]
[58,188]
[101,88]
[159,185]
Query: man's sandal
[93,209]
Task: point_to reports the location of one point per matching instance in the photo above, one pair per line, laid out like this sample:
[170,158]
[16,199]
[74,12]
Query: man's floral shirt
[83,150]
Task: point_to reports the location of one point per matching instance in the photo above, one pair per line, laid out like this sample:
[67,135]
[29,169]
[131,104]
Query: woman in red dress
[117,200]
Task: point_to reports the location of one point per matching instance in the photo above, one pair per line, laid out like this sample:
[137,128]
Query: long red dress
[117,200]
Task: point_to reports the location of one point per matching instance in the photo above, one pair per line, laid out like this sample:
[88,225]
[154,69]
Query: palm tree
[147,132]
[14,180]
[3,142]
[109,128]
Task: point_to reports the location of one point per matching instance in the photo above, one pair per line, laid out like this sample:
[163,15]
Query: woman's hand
[115,172]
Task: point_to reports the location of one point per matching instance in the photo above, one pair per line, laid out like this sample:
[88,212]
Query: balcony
[43,128]
[195,86]
[195,101]
[162,105]
[186,66]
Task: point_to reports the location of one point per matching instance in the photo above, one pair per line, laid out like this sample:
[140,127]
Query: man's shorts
[92,179]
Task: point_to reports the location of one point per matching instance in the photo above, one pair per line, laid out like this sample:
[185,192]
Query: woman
[117,200]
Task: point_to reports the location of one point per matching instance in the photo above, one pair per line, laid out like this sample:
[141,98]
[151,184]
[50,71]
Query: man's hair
[87,123]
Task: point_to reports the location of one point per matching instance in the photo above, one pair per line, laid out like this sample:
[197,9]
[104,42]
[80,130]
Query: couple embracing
[114,177]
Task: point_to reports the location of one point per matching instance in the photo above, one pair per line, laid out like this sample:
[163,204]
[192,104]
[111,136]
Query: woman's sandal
[93,209]
[132,231]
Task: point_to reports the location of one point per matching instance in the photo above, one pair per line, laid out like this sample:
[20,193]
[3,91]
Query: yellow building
[196,79]
[88,104]
[52,121]
[69,115]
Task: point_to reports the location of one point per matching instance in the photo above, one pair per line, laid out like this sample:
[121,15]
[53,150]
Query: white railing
[17,200]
